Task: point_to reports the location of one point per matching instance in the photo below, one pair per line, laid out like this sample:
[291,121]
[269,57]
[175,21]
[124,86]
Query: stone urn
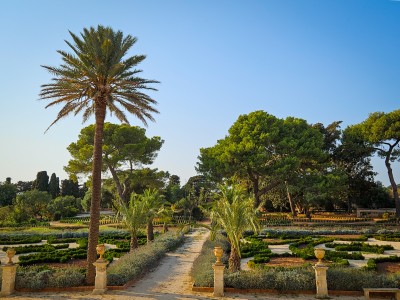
[319,253]
[10,254]
[100,248]
[218,252]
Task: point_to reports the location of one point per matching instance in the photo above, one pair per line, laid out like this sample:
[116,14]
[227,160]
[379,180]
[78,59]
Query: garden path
[169,281]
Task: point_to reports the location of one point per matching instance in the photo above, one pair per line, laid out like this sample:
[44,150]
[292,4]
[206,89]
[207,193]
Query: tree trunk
[134,241]
[150,231]
[120,190]
[292,208]
[234,260]
[165,227]
[393,184]
[100,114]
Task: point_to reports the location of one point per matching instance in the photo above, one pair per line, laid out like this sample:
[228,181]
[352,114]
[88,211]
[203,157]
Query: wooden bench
[395,291]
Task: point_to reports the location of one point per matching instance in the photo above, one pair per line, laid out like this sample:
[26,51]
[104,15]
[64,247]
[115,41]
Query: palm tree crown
[96,75]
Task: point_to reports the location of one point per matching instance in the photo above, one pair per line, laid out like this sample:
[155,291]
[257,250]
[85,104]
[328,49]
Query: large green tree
[32,204]
[263,151]
[54,186]
[382,132]
[124,148]
[97,77]
[42,181]
[8,192]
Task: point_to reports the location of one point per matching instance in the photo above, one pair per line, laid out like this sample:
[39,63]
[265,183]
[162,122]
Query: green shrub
[37,278]
[349,279]
[289,279]
[363,247]
[202,271]
[372,263]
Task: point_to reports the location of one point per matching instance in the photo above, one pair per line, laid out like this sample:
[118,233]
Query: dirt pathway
[169,281]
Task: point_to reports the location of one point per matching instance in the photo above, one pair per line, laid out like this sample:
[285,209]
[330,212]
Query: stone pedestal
[321,282]
[218,279]
[8,279]
[100,282]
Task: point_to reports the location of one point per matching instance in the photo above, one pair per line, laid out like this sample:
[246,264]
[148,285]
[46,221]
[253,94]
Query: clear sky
[320,60]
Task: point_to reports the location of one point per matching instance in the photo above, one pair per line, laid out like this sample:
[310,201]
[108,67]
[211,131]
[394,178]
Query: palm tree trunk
[134,241]
[150,231]
[234,260]
[100,114]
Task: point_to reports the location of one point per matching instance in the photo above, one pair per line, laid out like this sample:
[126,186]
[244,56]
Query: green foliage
[372,263]
[133,265]
[234,213]
[37,278]
[350,279]
[8,192]
[63,207]
[60,256]
[253,245]
[201,271]
[363,247]
[37,248]
[54,186]
[123,145]
[279,279]
[262,150]
[31,204]
[42,181]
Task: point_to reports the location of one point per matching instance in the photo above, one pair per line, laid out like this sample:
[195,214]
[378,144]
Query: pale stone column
[321,282]
[100,281]
[320,275]
[218,273]
[8,279]
[9,273]
[218,280]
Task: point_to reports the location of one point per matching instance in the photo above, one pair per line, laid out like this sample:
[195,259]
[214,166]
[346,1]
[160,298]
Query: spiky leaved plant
[233,211]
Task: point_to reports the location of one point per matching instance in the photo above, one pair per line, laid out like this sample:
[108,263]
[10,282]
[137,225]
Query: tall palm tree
[134,216]
[93,79]
[234,212]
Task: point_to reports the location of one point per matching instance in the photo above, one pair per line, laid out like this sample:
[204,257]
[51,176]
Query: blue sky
[320,60]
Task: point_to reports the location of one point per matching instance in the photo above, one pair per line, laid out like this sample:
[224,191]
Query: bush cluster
[281,279]
[60,256]
[363,247]
[37,248]
[350,279]
[372,263]
[37,278]
[134,264]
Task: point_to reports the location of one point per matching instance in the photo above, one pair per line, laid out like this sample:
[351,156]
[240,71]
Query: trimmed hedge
[132,265]
[37,278]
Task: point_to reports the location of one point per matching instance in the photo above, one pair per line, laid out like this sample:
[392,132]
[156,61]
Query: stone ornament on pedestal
[9,273]
[320,275]
[218,273]
[100,282]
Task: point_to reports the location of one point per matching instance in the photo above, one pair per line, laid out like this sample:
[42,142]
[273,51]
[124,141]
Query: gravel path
[169,281]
